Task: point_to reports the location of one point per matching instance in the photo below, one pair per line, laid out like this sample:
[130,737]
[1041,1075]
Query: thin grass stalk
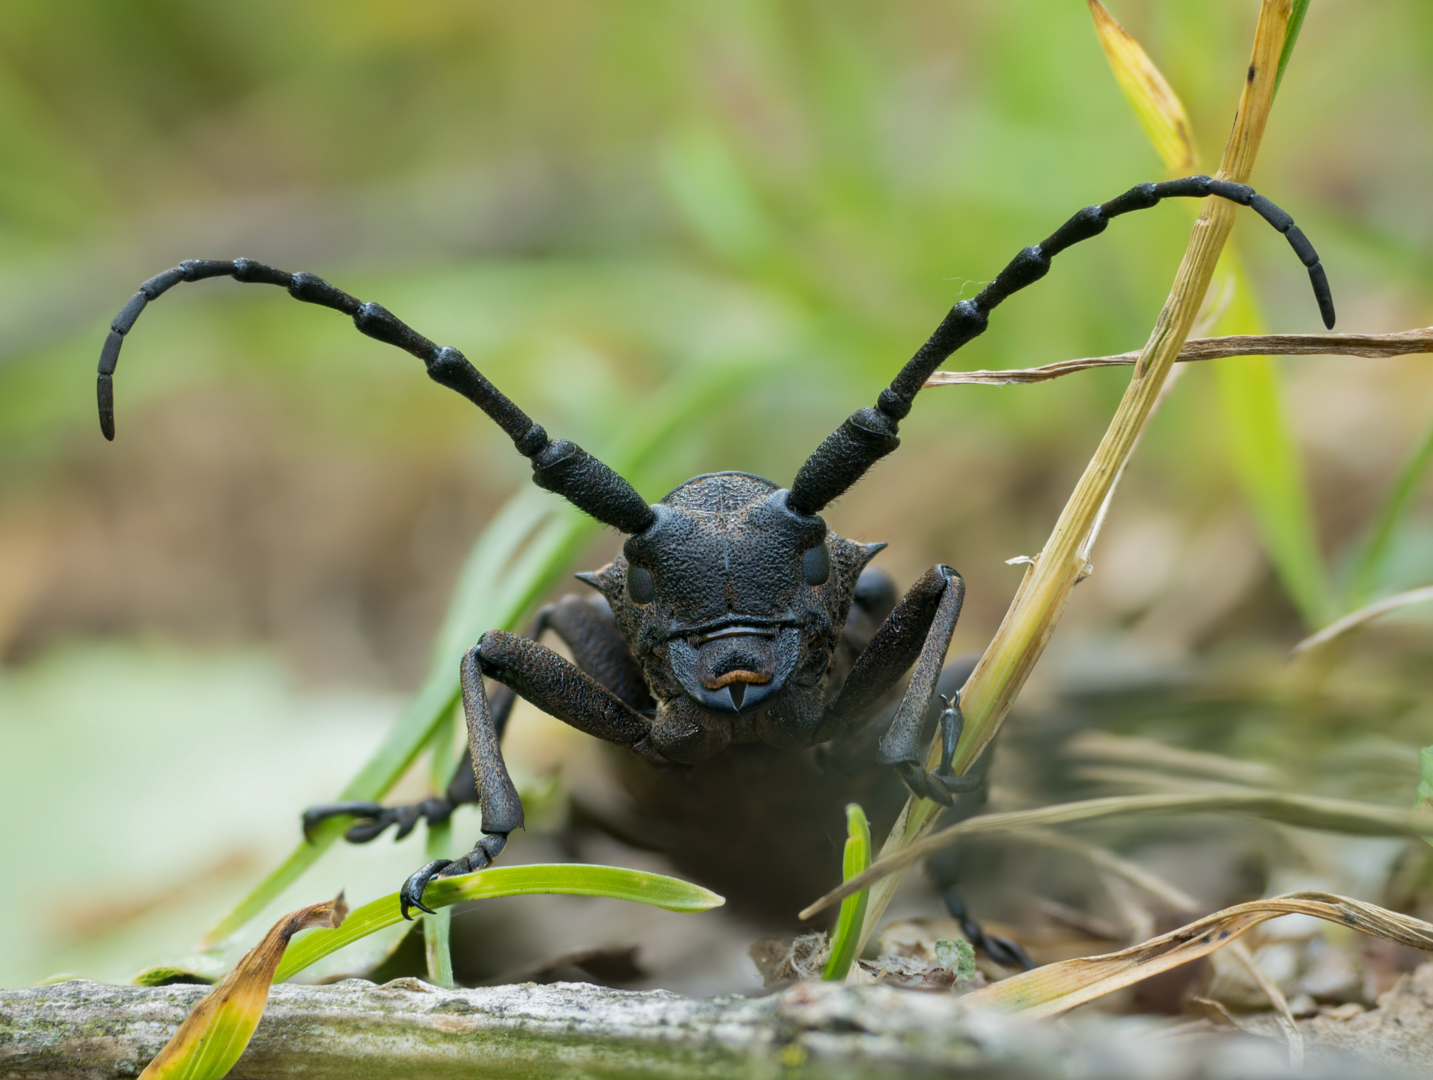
[1362,615]
[1045,589]
[437,926]
[1399,343]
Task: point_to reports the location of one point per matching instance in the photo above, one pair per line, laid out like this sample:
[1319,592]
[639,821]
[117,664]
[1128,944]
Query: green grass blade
[437,928]
[572,879]
[853,909]
[217,1052]
[1266,461]
[1291,35]
[1271,476]
[1363,579]
[215,1033]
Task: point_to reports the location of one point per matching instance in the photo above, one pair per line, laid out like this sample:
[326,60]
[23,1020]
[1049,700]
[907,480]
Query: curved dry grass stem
[1041,598]
[1362,615]
[1304,811]
[1401,343]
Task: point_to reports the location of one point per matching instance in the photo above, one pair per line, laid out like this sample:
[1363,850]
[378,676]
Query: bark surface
[356,1029]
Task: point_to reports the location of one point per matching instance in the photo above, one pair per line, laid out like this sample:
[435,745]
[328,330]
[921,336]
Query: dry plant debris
[218,1030]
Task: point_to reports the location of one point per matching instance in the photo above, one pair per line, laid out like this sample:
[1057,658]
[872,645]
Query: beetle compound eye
[816,565]
[640,586]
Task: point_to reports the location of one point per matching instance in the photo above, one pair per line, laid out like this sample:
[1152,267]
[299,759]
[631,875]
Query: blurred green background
[590,200]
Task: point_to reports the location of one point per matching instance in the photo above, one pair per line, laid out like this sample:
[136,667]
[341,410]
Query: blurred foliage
[592,200]
[586,199]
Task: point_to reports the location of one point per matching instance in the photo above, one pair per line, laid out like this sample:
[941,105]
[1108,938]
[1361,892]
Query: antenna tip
[105,393]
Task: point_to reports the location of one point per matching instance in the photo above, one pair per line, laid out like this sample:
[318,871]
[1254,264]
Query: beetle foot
[411,895]
[1002,950]
[923,785]
[939,785]
[484,852]
[957,785]
[942,783]
[375,818]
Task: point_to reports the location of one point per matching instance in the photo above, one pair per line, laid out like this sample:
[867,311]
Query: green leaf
[1363,579]
[1291,35]
[853,909]
[573,879]
[437,928]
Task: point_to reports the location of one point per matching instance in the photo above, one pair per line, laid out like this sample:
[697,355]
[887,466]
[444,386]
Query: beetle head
[730,598]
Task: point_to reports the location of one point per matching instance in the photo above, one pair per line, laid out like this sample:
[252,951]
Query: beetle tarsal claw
[411,895]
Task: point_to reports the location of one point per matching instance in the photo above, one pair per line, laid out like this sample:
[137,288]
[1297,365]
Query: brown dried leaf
[215,1034]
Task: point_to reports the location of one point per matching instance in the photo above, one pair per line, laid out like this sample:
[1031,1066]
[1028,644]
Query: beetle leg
[586,627]
[375,818]
[917,631]
[556,686]
[931,604]
[1002,950]
[902,745]
[952,723]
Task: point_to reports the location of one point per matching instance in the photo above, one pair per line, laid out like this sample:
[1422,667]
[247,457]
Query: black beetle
[736,632]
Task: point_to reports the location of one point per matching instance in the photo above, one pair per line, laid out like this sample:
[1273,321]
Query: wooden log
[82,1030]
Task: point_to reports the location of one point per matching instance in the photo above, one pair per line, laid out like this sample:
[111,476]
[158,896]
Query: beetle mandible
[734,621]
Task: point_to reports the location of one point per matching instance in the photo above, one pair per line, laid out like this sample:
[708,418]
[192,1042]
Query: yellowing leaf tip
[1155,103]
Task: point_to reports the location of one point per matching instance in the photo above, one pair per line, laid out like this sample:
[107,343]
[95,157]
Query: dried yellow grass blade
[215,1034]
[1040,600]
[1158,107]
[1306,811]
[1055,988]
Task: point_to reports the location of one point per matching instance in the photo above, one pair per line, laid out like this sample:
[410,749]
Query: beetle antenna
[870,434]
[558,465]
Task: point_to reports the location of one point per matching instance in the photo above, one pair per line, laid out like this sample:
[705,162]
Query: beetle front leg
[917,631]
[599,649]
[557,687]
[497,795]
[902,746]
